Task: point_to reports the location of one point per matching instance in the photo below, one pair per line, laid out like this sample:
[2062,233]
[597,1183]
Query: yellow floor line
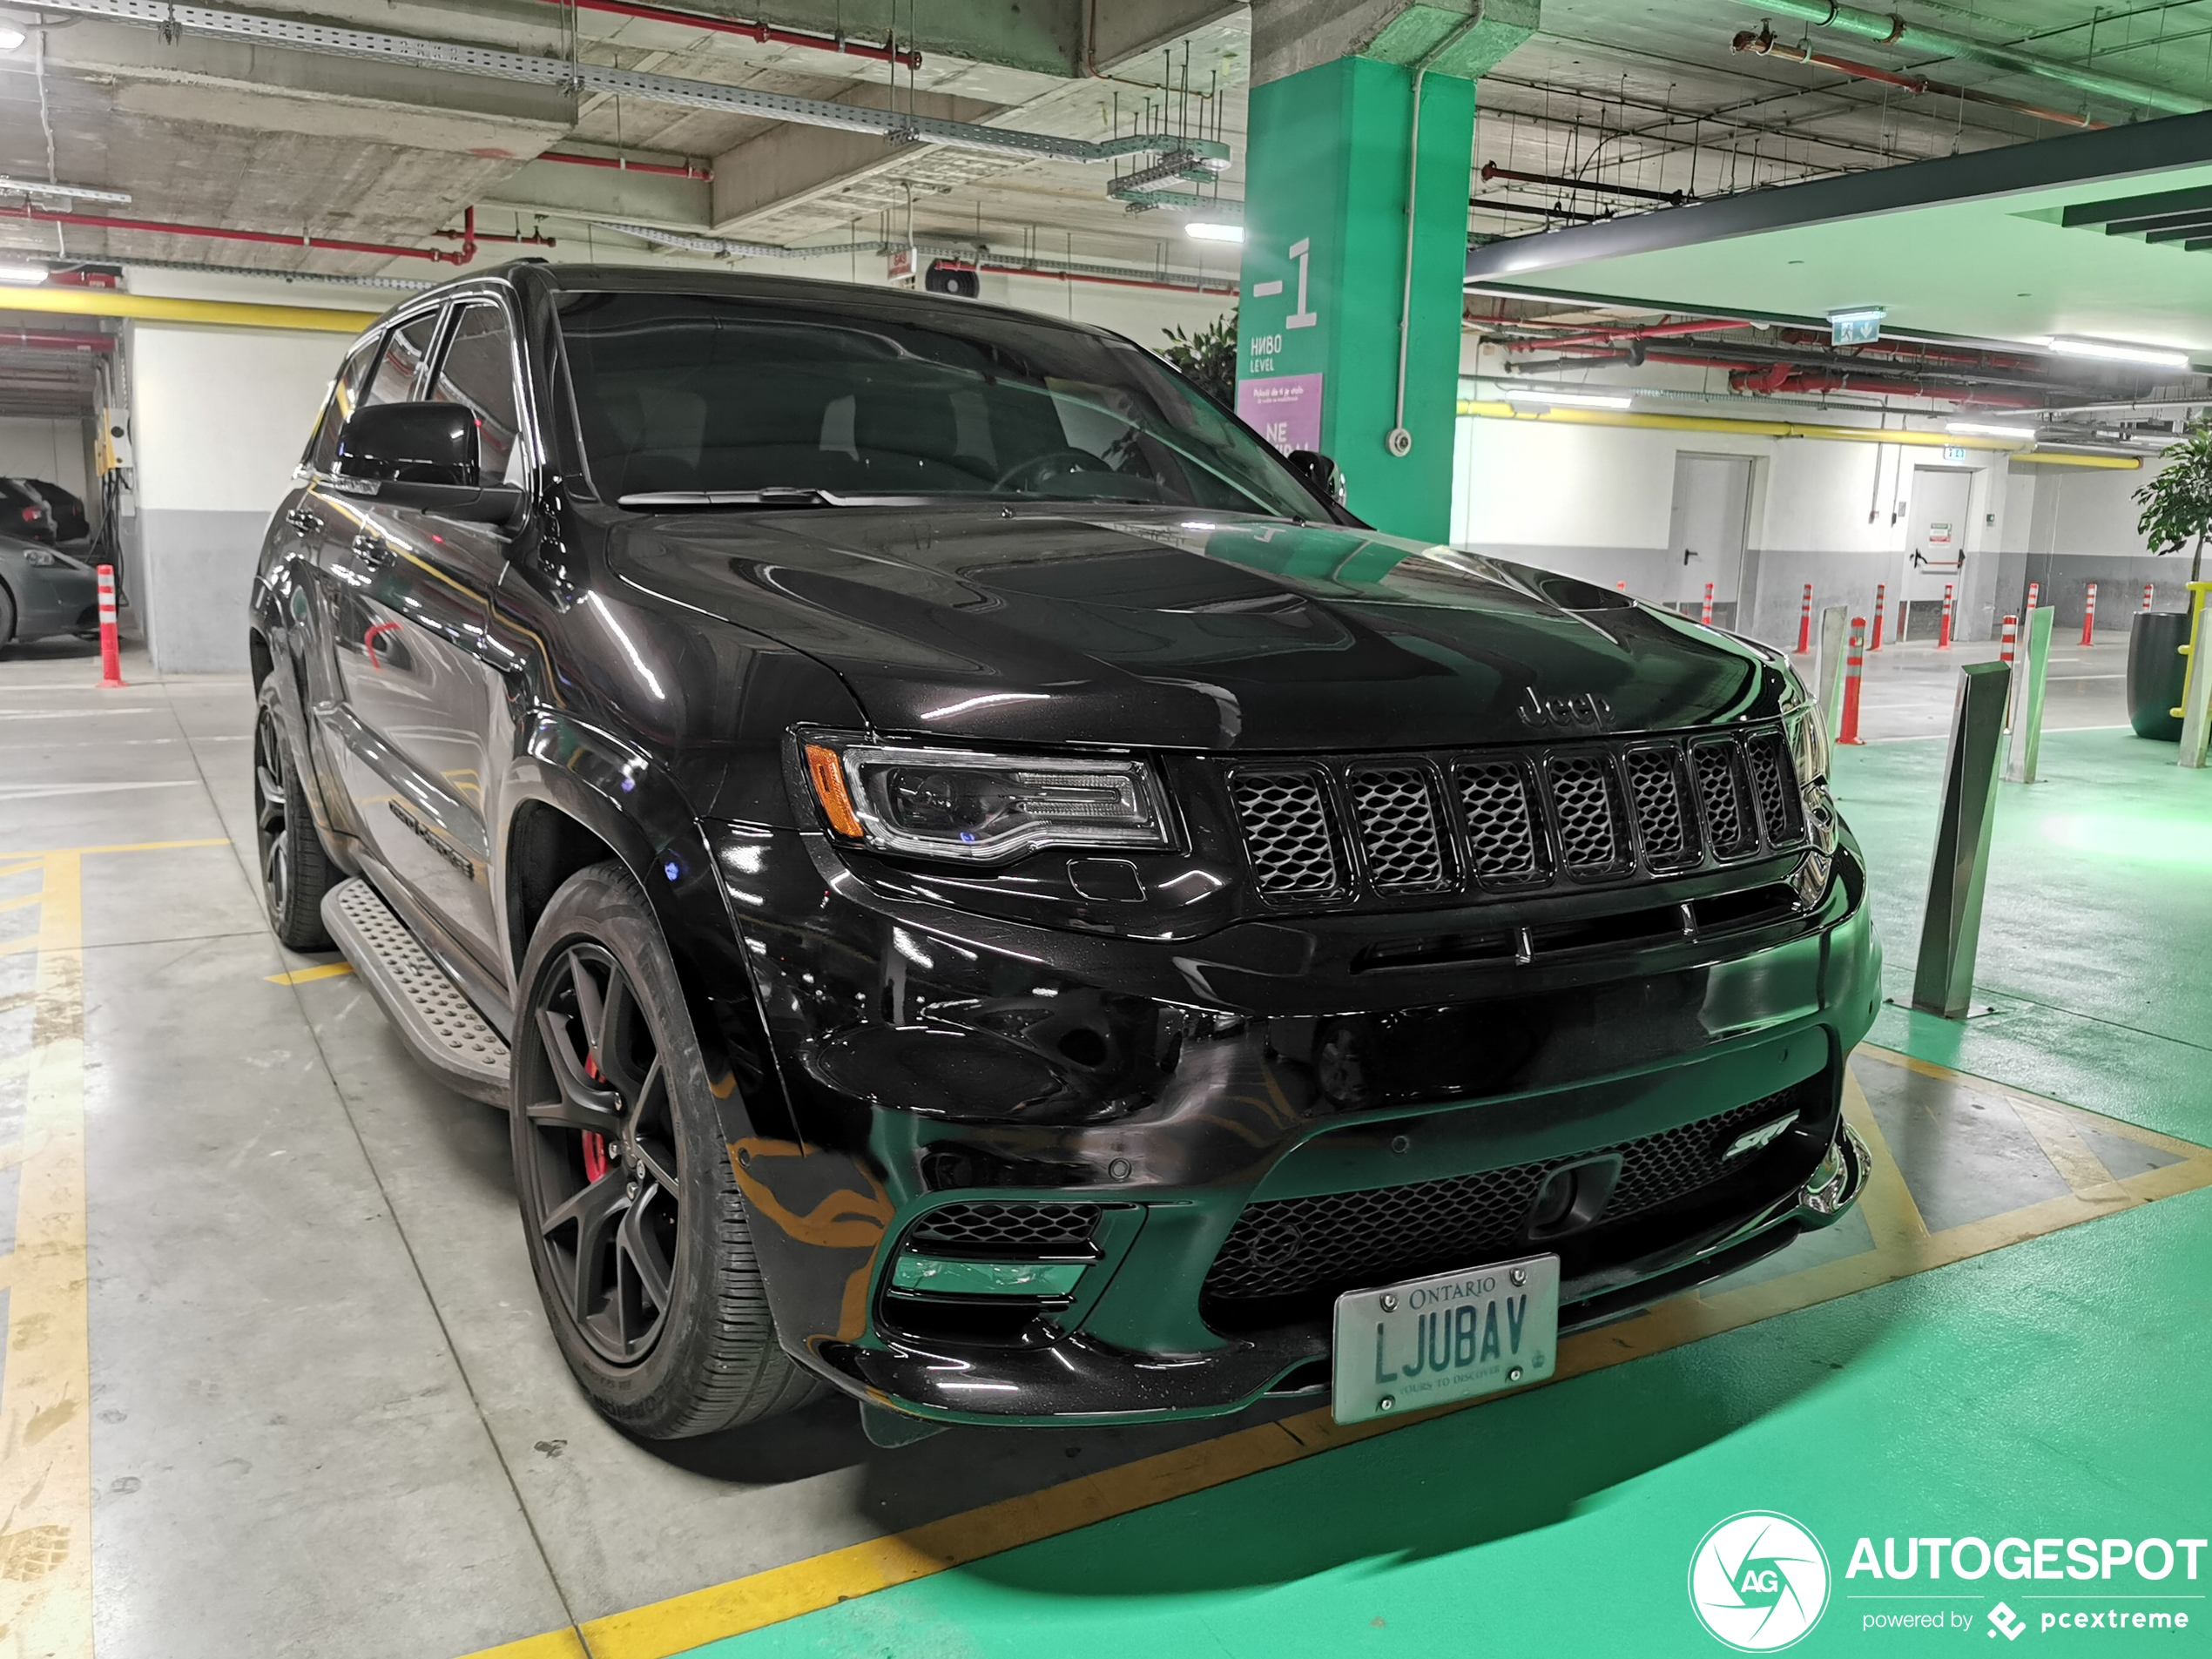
[45,1431]
[120,846]
[308,976]
[1903,1246]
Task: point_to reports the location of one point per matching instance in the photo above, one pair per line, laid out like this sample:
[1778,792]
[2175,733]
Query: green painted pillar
[1330,152]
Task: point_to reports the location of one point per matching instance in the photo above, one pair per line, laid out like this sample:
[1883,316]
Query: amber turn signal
[827,774]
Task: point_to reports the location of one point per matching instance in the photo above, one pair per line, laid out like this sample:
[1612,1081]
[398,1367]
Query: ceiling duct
[896,125]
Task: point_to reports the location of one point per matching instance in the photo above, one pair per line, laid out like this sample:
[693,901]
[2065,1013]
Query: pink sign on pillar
[1285,409]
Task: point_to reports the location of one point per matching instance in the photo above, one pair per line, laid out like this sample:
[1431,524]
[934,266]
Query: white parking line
[34,791]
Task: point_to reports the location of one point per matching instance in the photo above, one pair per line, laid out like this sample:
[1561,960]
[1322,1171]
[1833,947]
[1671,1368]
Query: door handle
[303,521]
[371,549]
[1687,554]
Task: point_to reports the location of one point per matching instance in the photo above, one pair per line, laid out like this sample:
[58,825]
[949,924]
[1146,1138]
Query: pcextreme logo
[1758,1581]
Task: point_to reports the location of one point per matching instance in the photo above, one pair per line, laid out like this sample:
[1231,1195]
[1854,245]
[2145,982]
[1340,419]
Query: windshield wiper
[794,495]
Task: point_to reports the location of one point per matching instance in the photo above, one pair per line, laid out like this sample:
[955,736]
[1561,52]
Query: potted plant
[2177,513]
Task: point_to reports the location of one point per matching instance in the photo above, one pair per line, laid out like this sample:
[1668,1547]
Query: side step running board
[425,1008]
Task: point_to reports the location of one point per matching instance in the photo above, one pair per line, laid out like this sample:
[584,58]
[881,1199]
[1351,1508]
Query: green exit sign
[1858,326]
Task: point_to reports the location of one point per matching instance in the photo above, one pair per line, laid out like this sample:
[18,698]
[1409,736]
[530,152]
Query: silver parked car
[44,590]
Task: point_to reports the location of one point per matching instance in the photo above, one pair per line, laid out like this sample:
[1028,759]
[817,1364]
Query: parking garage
[1239,825]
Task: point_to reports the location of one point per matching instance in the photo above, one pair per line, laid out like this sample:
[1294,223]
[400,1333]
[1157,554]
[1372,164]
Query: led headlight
[1808,741]
[981,808]
[40,556]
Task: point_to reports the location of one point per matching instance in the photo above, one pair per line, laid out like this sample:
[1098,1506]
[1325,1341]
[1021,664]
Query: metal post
[2027,705]
[1951,929]
[2196,691]
[1828,678]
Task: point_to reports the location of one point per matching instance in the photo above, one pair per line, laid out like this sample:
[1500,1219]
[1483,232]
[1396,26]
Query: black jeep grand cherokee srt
[984,888]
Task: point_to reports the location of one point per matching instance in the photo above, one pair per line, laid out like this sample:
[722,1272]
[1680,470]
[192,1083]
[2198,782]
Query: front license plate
[1458,1336]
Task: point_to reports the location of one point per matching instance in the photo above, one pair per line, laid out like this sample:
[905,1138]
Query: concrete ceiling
[1613,93]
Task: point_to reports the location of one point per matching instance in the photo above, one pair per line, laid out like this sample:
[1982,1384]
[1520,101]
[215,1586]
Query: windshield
[684,393]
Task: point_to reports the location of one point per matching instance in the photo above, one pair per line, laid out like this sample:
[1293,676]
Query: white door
[1935,548]
[1705,531]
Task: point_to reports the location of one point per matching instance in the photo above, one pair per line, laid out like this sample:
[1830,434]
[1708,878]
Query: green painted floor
[2055,1388]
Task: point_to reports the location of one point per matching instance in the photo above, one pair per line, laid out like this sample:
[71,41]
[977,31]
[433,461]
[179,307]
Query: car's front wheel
[631,1210]
[295,870]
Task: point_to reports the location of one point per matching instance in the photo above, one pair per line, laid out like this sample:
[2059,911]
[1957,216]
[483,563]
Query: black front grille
[1584,794]
[1286,832]
[1328,831]
[1664,814]
[1021,1228]
[1397,827]
[1502,824]
[1309,1251]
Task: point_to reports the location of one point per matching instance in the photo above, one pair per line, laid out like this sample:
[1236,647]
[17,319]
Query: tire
[296,871]
[637,1234]
[7,617]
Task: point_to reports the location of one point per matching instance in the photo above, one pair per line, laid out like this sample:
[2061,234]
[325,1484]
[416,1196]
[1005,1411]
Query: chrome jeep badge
[1585,711]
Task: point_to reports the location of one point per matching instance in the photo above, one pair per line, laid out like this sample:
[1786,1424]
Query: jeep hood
[1168,629]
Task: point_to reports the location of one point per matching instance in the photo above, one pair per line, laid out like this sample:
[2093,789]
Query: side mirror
[413,443]
[422,456]
[1318,473]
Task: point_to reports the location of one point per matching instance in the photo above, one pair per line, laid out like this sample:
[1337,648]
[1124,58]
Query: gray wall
[193,575]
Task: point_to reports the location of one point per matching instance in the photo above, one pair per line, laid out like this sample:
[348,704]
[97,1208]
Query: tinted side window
[477,372]
[345,395]
[404,349]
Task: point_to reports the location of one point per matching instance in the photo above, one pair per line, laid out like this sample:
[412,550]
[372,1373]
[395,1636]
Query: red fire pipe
[764,33]
[163,227]
[689,170]
[39,339]
[469,236]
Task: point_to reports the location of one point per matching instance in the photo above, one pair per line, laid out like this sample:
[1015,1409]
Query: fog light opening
[1573,1196]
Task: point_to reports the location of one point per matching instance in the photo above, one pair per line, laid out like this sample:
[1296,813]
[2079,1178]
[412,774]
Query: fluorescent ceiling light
[10,37]
[67,192]
[1860,313]
[1579,400]
[24,275]
[1983,431]
[1206,232]
[2157,356]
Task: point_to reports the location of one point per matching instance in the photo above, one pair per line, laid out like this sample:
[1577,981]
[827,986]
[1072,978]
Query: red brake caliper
[594,1146]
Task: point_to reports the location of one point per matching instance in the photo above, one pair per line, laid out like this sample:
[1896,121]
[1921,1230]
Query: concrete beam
[273,88]
[789,164]
[1288,36]
[597,193]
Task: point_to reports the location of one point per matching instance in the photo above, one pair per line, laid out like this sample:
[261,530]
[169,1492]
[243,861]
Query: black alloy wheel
[295,871]
[608,1168]
[637,1231]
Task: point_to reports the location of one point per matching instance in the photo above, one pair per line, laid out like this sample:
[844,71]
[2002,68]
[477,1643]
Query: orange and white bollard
[2009,639]
[2089,616]
[1881,597]
[1854,670]
[1705,613]
[1804,623]
[2147,587]
[111,654]
[2033,589]
[1943,639]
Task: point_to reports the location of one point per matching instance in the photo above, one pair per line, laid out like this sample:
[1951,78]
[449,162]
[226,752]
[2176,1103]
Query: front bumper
[1179,1091]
